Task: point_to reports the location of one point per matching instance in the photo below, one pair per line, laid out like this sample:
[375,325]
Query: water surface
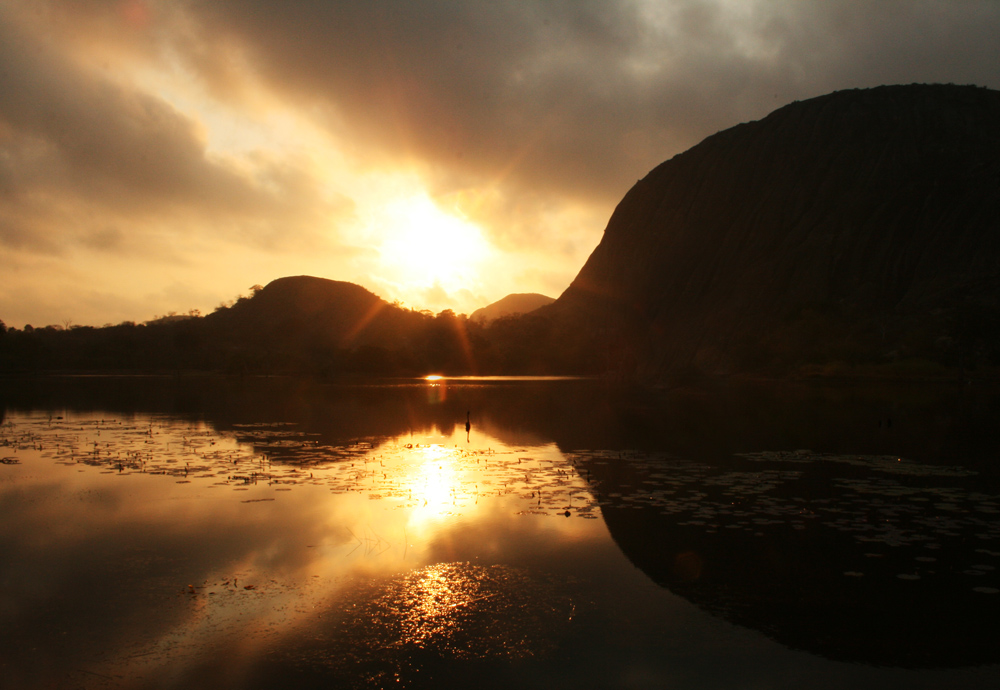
[275,533]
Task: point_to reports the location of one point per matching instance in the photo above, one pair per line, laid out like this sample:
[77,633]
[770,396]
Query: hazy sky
[165,155]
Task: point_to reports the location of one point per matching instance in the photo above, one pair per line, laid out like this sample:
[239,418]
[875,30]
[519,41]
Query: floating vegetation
[895,507]
[281,456]
[880,463]
[895,503]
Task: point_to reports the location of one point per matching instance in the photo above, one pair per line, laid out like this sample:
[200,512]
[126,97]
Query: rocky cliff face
[862,226]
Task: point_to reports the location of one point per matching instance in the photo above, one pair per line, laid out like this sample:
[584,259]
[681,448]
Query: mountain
[857,228]
[518,303]
[308,323]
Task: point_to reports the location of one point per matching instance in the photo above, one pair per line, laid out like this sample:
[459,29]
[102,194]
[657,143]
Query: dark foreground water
[190,533]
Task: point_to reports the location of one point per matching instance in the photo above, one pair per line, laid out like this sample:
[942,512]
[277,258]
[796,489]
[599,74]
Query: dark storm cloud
[499,88]
[577,96]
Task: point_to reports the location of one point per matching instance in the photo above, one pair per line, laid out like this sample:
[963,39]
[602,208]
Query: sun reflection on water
[427,605]
[437,482]
[300,524]
[462,611]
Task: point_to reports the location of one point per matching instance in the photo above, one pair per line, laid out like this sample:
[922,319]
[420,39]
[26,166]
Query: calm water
[162,533]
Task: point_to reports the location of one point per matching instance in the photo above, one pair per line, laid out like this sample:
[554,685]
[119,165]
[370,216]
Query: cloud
[553,96]
[80,151]
[101,138]
[571,97]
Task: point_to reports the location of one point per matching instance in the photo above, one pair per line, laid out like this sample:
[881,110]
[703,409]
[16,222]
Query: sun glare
[425,246]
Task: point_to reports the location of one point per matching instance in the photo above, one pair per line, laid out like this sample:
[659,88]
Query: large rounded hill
[857,228]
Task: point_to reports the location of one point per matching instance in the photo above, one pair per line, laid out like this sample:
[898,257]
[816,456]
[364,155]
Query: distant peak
[517,303]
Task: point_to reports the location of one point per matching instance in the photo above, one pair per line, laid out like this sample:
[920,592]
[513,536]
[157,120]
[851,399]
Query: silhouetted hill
[315,324]
[296,310]
[518,303]
[861,227]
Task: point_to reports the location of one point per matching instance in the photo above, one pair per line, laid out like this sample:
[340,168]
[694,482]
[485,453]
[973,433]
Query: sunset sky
[164,155]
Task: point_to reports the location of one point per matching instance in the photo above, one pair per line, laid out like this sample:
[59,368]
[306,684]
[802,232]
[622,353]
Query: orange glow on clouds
[136,13]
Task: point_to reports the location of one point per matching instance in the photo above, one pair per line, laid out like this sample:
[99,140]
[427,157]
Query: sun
[423,245]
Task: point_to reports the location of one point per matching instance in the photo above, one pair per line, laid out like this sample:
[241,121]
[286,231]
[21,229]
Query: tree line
[403,342]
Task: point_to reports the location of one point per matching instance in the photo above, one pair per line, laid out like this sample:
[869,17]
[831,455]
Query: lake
[269,533]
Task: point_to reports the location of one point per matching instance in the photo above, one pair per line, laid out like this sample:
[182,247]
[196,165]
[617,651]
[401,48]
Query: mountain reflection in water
[271,533]
[857,558]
